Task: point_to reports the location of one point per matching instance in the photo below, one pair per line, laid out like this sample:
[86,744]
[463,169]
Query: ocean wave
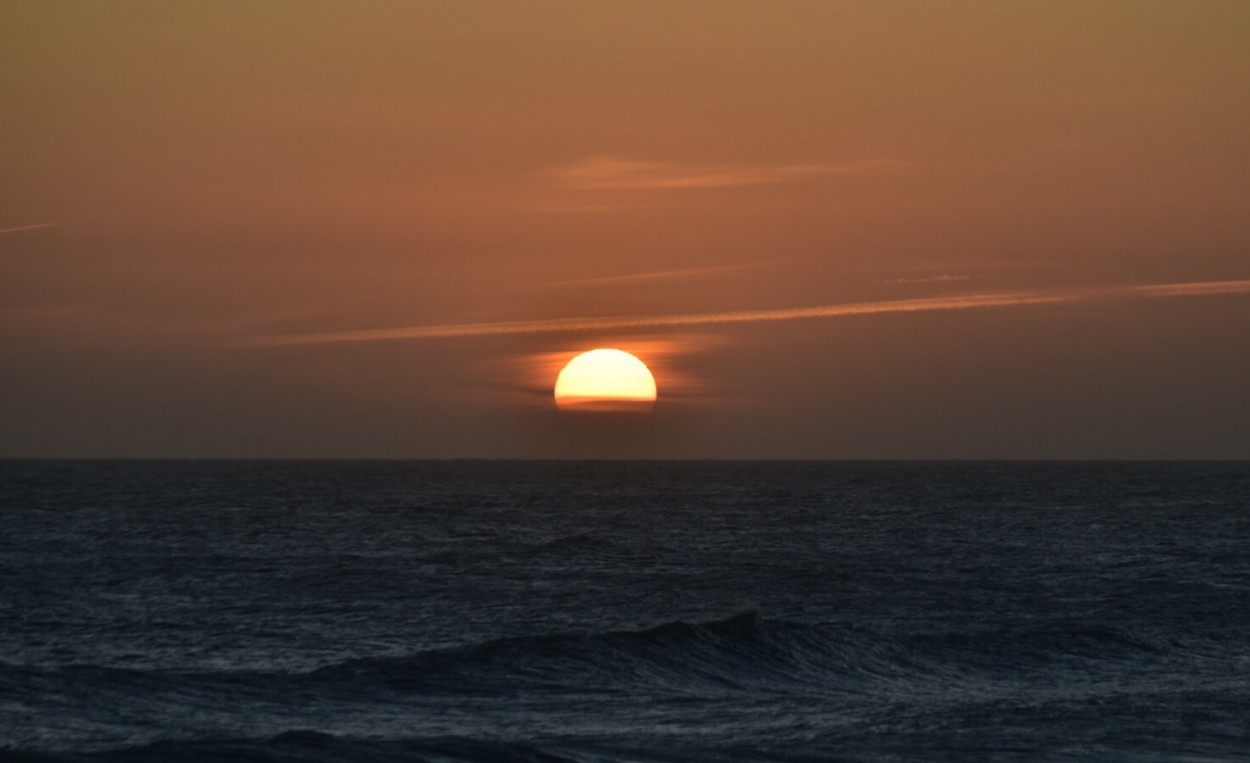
[693,669]
[744,652]
[737,652]
[310,747]
[749,652]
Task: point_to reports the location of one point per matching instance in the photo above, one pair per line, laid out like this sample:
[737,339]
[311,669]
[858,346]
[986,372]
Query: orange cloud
[927,304]
[34,226]
[607,173]
[648,277]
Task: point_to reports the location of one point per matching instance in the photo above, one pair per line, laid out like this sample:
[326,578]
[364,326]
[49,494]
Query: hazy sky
[834,230]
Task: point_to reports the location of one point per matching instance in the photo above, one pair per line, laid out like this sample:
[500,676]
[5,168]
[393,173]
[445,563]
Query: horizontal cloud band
[927,304]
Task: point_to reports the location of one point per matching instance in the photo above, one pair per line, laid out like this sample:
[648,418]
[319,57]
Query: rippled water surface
[663,611]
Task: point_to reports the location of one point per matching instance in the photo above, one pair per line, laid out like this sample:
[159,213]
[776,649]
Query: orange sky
[187,188]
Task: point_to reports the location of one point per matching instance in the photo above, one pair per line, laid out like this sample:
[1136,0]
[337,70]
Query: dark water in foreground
[499,611]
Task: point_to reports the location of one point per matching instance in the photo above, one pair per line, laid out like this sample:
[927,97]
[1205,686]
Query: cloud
[35,226]
[1192,289]
[651,276]
[608,173]
[945,277]
[927,304]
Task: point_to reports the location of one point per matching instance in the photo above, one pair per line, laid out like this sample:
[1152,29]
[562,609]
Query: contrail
[647,277]
[926,304]
[35,226]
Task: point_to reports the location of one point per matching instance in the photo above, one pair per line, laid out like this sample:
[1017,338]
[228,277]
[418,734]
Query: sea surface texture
[624,611]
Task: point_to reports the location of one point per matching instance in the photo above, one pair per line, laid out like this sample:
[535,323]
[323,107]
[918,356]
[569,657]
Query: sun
[605,379]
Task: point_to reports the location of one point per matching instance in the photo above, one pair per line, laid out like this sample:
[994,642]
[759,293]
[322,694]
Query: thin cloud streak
[1194,289]
[930,279]
[657,275]
[36,226]
[927,304]
[607,173]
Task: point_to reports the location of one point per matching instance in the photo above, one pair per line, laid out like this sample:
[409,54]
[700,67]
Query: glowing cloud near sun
[605,379]
[913,305]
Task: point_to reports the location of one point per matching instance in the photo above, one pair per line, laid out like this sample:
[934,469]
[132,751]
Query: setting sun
[605,379]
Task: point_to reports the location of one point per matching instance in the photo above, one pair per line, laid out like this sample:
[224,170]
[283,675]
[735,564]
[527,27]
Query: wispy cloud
[1190,289]
[929,304]
[36,226]
[650,276]
[609,173]
[943,278]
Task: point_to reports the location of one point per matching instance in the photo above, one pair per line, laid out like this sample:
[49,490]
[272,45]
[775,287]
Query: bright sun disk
[605,379]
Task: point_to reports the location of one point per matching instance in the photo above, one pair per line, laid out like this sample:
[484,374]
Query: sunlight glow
[605,379]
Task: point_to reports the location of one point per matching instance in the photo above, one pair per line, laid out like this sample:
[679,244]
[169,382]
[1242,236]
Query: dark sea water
[624,611]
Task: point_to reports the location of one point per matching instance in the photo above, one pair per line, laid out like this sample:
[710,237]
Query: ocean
[624,611]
